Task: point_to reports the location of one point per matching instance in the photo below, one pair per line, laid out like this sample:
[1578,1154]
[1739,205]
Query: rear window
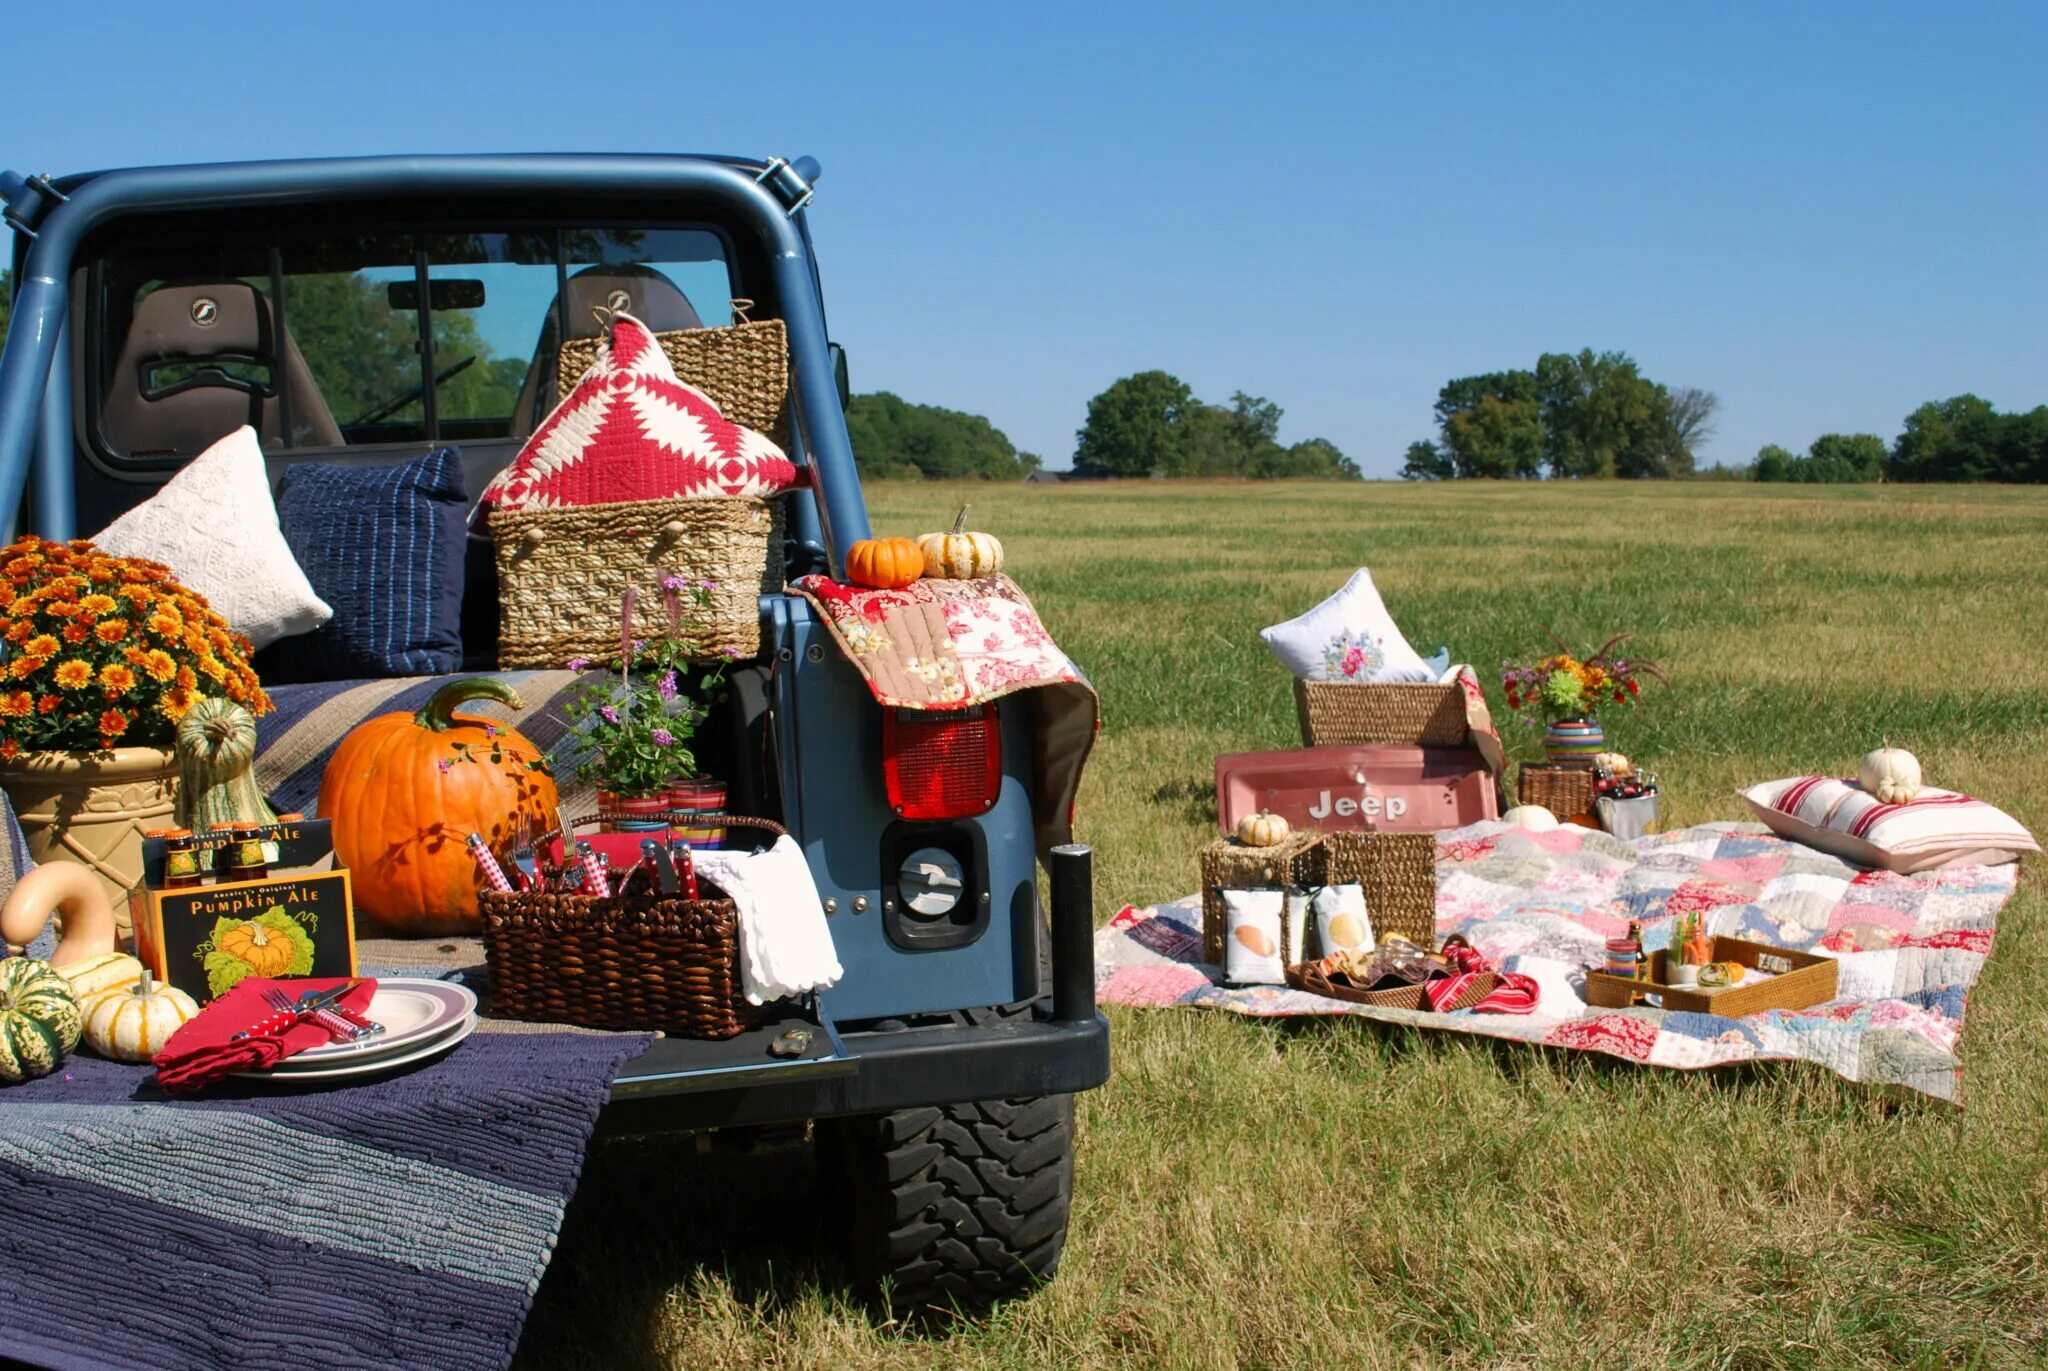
[351,340]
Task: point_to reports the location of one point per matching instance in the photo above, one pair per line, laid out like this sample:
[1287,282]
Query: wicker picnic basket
[1228,864]
[744,368]
[1368,713]
[1566,791]
[1398,873]
[561,573]
[637,962]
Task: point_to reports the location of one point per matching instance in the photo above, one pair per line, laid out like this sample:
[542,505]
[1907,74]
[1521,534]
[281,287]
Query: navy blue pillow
[384,546]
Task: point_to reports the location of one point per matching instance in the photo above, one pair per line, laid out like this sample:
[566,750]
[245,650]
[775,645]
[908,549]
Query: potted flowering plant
[104,656]
[1564,691]
[632,724]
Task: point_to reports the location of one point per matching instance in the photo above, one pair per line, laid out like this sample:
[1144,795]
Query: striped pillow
[1938,828]
[384,546]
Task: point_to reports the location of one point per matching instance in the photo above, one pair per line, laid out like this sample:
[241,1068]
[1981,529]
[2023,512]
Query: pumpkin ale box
[299,920]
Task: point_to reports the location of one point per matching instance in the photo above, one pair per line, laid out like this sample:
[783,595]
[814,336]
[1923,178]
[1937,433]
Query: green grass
[1340,1194]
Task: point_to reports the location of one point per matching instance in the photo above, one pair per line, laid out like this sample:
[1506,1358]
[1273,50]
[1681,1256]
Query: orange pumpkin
[262,948]
[405,791]
[884,563]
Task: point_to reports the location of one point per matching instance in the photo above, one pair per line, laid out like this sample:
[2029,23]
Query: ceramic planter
[94,810]
[632,813]
[1574,742]
[699,796]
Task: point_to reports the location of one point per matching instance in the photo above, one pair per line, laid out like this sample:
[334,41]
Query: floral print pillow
[1348,637]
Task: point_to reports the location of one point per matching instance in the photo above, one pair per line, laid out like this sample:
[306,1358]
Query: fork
[338,1028]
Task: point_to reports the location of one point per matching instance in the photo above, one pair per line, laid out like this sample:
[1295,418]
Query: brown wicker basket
[1228,864]
[1364,713]
[638,962]
[1398,872]
[1566,791]
[1311,977]
[744,368]
[561,573]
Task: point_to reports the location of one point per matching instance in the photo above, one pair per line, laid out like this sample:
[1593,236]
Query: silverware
[369,1026]
[284,1019]
[338,1029]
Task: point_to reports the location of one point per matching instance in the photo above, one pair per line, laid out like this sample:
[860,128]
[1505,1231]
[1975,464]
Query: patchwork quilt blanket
[1544,904]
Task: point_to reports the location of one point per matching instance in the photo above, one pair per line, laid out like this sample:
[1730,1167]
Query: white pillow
[215,526]
[1348,637]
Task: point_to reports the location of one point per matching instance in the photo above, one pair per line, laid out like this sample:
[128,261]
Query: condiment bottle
[181,859]
[1635,935]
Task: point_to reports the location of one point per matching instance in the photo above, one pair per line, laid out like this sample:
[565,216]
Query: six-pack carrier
[357,312]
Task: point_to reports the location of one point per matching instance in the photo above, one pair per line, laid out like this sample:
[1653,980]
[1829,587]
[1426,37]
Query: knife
[276,1024]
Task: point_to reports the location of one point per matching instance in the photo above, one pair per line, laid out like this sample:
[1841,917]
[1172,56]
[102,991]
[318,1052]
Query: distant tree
[1496,438]
[1773,463]
[1426,462]
[893,437]
[1602,417]
[1838,458]
[1691,414]
[1312,457]
[1141,426]
[1966,439]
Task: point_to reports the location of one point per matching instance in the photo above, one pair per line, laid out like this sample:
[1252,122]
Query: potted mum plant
[632,724]
[103,657]
[1566,691]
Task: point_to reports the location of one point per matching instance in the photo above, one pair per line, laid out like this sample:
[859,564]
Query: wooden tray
[1801,979]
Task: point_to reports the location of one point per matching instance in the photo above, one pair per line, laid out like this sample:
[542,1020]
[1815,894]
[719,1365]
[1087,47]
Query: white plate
[413,1011]
[296,1064]
[341,1070]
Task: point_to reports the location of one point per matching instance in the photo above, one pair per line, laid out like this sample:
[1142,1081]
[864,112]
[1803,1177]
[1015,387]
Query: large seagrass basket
[561,573]
[744,368]
[1371,713]
[1398,872]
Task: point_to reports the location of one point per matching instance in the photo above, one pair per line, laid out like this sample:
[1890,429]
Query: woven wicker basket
[1230,865]
[1398,872]
[1311,977]
[1364,713]
[561,573]
[1566,791]
[640,962]
[744,368]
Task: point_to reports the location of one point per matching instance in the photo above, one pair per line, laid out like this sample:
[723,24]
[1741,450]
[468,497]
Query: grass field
[1343,1195]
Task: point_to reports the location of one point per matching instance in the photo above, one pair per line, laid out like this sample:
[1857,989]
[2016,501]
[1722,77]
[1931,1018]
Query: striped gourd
[132,1023]
[39,1020]
[960,555]
[106,971]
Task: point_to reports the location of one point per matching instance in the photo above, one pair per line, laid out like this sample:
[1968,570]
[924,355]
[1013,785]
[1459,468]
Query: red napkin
[204,1050]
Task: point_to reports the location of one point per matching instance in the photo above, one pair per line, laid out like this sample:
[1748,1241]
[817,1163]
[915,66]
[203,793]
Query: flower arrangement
[1562,686]
[103,652]
[632,726]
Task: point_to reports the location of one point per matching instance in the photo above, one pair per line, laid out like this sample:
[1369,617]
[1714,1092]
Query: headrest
[200,319]
[642,292]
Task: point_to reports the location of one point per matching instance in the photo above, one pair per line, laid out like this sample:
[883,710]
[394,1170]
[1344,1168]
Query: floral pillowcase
[1348,637]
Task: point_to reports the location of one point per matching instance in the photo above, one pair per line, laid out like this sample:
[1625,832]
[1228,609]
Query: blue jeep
[358,310]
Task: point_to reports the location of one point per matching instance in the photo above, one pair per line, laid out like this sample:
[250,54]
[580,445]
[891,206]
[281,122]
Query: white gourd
[104,971]
[131,1024]
[1262,830]
[960,555]
[1892,774]
[1533,818]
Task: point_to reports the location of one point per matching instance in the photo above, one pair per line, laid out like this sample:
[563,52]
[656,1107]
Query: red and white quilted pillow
[631,430]
[1938,828]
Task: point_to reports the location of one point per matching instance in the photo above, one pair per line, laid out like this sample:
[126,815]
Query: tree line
[1152,424]
[1587,414]
[1963,438]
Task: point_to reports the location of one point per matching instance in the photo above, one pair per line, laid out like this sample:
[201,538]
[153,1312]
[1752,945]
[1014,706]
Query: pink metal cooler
[1380,789]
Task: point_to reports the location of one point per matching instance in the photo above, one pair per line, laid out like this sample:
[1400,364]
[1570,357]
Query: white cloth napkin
[785,943]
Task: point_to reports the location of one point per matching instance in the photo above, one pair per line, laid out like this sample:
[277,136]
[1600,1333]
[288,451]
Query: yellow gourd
[106,971]
[1262,830]
[960,555]
[132,1023]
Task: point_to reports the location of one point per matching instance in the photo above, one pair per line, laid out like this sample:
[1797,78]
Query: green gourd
[39,1019]
[216,746]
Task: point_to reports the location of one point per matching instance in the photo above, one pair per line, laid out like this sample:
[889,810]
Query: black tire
[957,1206]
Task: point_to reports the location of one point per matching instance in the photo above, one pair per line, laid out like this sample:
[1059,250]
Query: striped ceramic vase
[1574,742]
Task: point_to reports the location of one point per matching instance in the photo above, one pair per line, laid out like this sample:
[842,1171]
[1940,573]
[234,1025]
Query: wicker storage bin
[1230,865]
[1357,713]
[561,573]
[1398,872]
[1311,977]
[640,962]
[743,368]
[1566,791]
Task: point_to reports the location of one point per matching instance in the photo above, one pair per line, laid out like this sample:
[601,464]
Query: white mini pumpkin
[1533,818]
[1262,830]
[1892,774]
[102,971]
[960,555]
[132,1023]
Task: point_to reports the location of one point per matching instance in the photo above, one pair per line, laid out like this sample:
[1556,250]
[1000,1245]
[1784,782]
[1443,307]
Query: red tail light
[942,764]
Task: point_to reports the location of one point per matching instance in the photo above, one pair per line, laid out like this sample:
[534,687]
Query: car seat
[190,324]
[640,291]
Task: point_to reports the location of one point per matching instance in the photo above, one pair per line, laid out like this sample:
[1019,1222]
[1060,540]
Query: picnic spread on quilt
[191,1011]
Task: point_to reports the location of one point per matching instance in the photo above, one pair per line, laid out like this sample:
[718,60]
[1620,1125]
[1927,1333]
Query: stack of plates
[421,1019]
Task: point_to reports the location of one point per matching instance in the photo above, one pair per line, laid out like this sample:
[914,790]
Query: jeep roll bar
[35,370]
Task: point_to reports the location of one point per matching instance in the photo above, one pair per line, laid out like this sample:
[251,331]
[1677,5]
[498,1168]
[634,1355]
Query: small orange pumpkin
[884,563]
[405,790]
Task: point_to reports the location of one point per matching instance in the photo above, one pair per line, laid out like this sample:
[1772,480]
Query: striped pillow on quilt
[1938,828]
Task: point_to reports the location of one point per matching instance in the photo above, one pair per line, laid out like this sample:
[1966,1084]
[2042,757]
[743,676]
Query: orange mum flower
[134,656]
[166,625]
[158,664]
[211,665]
[113,723]
[63,609]
[97,604]
[76,633]
[176,704]
[116,679]
[74,674]
[42,645]
[19,630]
[138,594]
[186,680]
[16,704]
[47,704]
[111,630]
[9,749]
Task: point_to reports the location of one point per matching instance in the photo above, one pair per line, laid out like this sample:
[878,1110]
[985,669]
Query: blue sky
[1825,214]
